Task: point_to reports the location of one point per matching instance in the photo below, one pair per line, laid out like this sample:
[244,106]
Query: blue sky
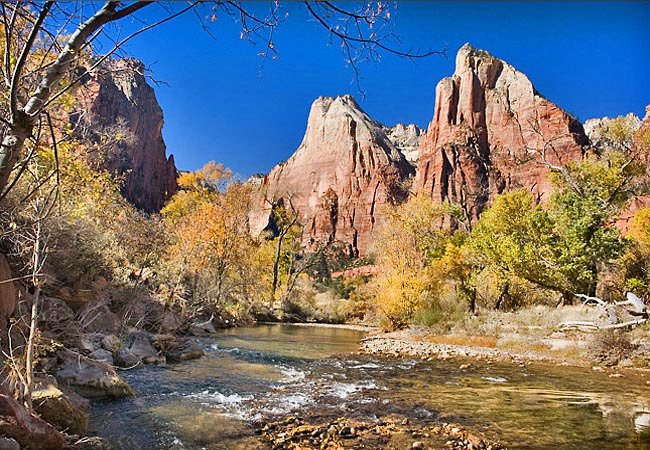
[591,59]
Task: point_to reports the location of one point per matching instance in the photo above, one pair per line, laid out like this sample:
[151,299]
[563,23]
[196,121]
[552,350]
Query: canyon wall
[120,115]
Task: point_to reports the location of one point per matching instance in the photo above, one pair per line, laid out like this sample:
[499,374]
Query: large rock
[28,430]
[102,355]
[114,96]
[8,294]
[138,348]
[488,132]
[184,350]
[96,317]
[92,379]
[67,412]
[344,171]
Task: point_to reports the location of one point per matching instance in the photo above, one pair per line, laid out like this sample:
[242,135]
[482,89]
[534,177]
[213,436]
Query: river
[250,375]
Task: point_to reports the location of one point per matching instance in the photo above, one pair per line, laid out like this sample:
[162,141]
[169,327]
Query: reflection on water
[255,374]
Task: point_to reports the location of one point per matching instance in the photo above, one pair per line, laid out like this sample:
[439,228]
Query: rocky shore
[388,346]
[405,345]
[343,433]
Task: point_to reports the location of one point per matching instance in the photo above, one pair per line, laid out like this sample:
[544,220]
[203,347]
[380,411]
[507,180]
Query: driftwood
[638,309]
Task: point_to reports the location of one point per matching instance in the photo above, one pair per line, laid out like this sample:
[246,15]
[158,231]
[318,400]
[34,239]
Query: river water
[250,375]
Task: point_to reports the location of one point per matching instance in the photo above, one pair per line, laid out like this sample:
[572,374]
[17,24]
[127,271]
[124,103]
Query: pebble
[417,444]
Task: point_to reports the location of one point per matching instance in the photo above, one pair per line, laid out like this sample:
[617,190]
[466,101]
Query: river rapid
[268,372]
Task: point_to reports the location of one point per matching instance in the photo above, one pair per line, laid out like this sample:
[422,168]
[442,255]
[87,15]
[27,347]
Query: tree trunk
[276,265]
[10,150]
[33,324]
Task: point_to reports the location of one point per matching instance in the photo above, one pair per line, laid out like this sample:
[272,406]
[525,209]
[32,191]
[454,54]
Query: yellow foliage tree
[408,251]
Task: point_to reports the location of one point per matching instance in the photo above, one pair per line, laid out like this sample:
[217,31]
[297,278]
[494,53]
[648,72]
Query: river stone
[202,328]
[90,342]
[125,359]
[67,412]
[9,444]
[28,430]
[102,355]
[139,343]
[92,379]
[184,350]
[110,342]
[170,322]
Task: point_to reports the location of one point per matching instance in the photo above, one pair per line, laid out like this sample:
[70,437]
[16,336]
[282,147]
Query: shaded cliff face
[122,116]
[339,178]
[488,133]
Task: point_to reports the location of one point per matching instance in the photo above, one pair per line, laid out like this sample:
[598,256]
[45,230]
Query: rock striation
[339,178]
[121,116]
[490,133]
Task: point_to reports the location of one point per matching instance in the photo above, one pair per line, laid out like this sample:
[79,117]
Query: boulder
[77,299]
[202,328]
[91,379]
[110,342]
[102,355]
[98,318]
[9,444]
[138,348]
[184,350]
[28,430]
[67,412]
[124,359]
[170,322]
[90,342]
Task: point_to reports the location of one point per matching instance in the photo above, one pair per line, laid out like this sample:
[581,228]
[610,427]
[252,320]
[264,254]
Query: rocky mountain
[594,127]
[491,132]
[339,178]
[407,140]
[120,114]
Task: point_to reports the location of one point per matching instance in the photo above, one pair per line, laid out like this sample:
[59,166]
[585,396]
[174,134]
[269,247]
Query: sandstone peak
[344,170]
[487,132]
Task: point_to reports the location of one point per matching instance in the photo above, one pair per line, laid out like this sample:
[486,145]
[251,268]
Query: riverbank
[530,335]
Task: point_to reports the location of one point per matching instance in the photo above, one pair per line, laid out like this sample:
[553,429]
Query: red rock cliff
[344,171]
[116,99]
[489,128]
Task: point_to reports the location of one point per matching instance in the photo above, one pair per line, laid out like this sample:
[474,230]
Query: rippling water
[270,371]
